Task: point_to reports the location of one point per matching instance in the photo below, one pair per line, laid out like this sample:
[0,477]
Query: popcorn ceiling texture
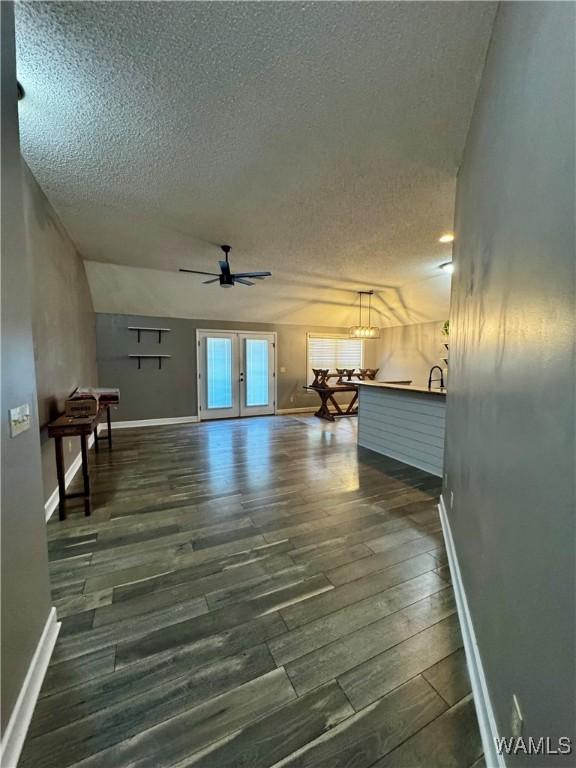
[321,140]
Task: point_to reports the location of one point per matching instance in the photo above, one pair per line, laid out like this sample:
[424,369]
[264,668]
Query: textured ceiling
[321,140]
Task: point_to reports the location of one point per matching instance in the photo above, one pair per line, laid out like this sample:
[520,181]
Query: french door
[236,374]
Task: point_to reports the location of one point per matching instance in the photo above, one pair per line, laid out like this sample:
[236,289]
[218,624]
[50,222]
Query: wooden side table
[108,435]
[69,426]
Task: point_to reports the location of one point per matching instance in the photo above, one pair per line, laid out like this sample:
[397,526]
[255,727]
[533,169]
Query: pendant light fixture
[365,331]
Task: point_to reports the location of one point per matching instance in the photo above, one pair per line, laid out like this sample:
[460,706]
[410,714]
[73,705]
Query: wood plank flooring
[249,593]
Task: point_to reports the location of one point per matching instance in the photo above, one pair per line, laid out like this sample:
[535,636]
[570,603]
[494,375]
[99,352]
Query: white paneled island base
[403,422]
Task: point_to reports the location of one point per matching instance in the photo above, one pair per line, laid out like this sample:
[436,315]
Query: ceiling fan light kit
[365,331]
[226,278]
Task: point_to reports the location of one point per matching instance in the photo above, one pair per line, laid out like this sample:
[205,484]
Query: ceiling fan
[226,278]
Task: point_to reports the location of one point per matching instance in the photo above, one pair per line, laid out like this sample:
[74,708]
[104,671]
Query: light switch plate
[19,419]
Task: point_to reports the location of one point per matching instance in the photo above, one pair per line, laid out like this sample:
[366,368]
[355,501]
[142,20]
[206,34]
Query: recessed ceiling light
[447,267]
[447,238]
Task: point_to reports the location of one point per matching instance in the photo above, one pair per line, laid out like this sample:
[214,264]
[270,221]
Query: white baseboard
[154,422]
[15,732]
[484,710]
[52,502]
[286,411]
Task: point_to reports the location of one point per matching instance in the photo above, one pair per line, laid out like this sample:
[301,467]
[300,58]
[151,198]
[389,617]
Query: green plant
[446,328]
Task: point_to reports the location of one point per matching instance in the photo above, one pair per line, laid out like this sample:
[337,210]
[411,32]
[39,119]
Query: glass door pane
[257,372]
[219,373]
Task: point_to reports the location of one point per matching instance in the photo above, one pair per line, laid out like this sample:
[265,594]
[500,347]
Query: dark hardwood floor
[253,593]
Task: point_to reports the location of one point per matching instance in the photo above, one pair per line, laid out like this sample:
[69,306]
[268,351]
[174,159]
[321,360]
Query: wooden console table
[108,435]
[83,427]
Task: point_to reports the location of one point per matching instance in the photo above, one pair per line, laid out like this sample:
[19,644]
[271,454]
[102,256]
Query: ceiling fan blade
[214,280]
[242,281]
[259,275]
[197,272]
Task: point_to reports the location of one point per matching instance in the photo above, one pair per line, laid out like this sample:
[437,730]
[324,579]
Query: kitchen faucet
[441,379]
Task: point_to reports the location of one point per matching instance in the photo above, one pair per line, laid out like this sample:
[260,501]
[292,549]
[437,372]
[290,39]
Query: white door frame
[200,412]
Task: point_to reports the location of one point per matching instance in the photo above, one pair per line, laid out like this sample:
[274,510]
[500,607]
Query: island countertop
[403,422]
[402,387]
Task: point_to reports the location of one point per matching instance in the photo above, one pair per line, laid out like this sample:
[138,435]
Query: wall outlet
[291,398]
[516,720]
[19,419]
[282,369]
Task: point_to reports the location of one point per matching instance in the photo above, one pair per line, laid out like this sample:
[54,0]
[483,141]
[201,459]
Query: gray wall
[511,414]
[152,394]
[63,321]
[24,568]
[409,351]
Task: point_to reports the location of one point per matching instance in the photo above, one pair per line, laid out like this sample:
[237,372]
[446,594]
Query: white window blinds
[334,352]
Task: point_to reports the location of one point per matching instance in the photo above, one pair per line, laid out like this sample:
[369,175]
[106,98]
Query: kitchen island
[403,422]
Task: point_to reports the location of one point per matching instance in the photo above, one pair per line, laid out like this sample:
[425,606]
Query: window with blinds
[334,352]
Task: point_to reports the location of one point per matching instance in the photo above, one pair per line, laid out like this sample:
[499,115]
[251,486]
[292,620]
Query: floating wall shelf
[157,357]
[140,329]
